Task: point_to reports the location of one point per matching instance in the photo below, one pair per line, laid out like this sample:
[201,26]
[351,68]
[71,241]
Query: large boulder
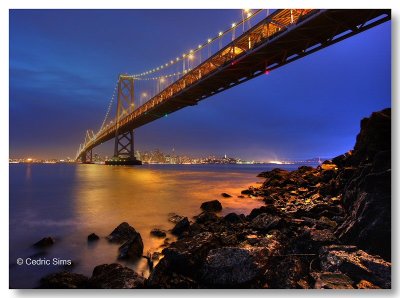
[229,267]
[122,233]
[115,276]
[64,280]
[211,206]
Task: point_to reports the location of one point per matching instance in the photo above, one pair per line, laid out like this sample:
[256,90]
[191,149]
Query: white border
[5,5]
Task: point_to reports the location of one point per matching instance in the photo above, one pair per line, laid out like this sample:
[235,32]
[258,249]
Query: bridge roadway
[282,37]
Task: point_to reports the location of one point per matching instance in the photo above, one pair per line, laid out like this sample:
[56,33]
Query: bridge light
[249,14]
[199,46]
[209,40]
[172,61]
[233,25]
[220,33]
[191,57]
[267,71]
[246,10]
[177,58]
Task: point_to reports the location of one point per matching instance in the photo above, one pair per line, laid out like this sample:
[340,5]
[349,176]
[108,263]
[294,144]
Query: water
[68,202]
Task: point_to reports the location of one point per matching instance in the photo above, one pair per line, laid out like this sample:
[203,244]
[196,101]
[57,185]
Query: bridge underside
[312,32]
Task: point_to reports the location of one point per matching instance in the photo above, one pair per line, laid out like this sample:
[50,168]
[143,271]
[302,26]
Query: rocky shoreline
[325,227]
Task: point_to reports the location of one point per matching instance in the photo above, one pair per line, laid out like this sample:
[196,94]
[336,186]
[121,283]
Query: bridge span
[279,38]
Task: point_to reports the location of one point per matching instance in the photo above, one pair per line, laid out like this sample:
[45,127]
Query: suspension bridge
[260,42]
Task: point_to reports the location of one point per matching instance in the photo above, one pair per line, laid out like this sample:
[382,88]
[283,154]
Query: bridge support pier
[124,153]
[87,157]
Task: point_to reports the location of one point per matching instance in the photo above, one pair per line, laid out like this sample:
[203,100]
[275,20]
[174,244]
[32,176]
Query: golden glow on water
[142,196]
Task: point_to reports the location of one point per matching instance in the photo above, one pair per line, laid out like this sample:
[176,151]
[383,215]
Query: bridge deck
[283,37]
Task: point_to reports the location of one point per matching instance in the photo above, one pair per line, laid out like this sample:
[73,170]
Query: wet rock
[330,280]
[226,195]
[115,276]
[158,233]
[357,264]
[44,242]
[64,280]
[122,233]
[92,237]
[181,226]
[175,218]
[211,206]
[229,267]
[131,249]
[206,217]
[266,222]
[263,209]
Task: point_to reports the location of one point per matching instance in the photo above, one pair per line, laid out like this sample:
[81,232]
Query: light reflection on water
[69,202]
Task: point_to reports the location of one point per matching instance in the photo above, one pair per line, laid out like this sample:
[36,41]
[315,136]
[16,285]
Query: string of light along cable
[247,16]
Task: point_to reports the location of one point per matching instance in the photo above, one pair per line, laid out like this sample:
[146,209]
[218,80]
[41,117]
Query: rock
[229,267]
[185,256]
[357,264]
[248,192]
[122,233]
[64,280]
[211,206]
[367,195]
[115,276]
[312,239]
[181,226]
[92,237]
[233,218]
[175,218]
[131,249]
[158,233]
[206,217]
[225,195]
[365,284]
[44,242]
[329,280]
[266,222]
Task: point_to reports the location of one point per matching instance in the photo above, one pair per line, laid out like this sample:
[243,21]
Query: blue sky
[64,64]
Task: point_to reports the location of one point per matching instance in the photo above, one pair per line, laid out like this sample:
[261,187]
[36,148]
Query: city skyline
[65,79]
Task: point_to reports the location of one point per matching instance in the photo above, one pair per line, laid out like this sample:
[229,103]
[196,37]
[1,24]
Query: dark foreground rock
[115,276]
[211,206]
[106,276]
[64,280]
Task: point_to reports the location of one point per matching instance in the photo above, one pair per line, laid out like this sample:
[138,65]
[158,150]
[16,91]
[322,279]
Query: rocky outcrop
[181,226]
[367,194]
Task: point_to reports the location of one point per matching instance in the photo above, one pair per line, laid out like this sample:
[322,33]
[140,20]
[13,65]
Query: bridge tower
[124,153]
